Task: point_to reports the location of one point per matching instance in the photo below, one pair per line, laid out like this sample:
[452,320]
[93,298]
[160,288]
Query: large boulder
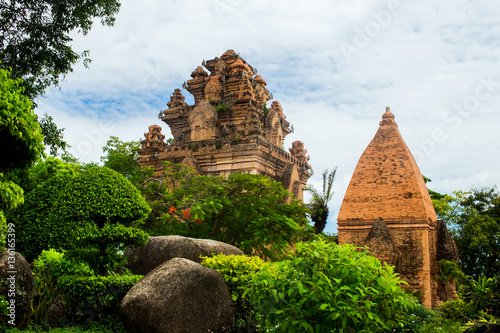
[17,285]
[179,296]
[163,248]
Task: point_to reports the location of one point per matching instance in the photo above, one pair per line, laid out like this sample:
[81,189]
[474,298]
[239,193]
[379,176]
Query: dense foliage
[37,229]
[477,232]
[248,211]
[324,287]
[101,195]
[21,143]
[35,37]
[20,134]
[122,157]
[473,218]
[48,168]
[238,272]
[88,295]
[106,204]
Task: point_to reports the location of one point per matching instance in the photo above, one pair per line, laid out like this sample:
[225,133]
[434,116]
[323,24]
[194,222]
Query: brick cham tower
[228,129]
[387,208]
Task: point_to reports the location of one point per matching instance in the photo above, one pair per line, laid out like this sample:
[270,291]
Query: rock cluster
[160,249]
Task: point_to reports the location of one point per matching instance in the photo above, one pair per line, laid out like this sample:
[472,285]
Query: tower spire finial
[388,114]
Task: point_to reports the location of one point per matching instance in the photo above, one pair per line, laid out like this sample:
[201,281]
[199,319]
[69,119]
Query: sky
[334,66]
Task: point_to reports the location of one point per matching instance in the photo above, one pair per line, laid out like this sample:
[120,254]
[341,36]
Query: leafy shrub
[418,319]
[324,287]
[115,237]
[48,268]
[11,196]
[93,297]
[107,204]
[88,295]
[101,195]
[36,229]
[457,310]
[50,167]
[238,272]
[482,294]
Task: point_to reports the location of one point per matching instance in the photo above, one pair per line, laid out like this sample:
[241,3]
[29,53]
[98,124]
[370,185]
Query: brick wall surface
[387,208]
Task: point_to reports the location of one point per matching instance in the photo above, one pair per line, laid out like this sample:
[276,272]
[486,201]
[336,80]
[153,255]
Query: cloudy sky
[333,65]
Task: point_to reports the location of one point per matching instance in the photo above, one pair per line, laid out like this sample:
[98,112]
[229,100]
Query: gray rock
[163,248]
[59,313]
[16,277]
[179,296]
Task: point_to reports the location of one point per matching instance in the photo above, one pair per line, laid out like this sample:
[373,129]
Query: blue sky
[333,65]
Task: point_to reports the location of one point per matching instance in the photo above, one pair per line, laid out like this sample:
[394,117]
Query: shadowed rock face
[180,296]
[163,248]
[24,285]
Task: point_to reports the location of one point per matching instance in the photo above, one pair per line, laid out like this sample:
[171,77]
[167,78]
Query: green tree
[35,37]
[49,167]
[446,206]
[473,218]
[319,201]
[477,232]
[122,157]
[53,136]
[244,210]
[107,205]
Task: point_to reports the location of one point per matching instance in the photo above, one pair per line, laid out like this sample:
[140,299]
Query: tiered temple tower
[387,208]
[229,128]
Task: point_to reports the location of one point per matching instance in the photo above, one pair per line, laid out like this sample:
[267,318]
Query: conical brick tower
[387,208]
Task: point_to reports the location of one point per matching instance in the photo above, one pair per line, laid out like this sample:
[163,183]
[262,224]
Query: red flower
[172,210]
[186,213]
[198,221]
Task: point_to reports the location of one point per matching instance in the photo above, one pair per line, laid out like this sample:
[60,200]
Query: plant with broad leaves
[238,272]
[324,287]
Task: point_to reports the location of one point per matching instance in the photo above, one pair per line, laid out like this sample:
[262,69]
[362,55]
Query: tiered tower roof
[387,182]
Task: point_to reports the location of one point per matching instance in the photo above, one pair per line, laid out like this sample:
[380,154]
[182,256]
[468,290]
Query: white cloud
[422,58]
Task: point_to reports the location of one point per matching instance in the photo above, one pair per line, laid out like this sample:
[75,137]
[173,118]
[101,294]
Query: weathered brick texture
[229,128]
[388,209]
